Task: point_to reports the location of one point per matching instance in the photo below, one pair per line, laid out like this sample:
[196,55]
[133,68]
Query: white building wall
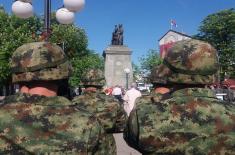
[172,37]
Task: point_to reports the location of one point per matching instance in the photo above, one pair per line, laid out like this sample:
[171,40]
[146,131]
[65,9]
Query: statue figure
[120,34]
[117,36]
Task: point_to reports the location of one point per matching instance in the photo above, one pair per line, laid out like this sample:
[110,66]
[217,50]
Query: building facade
[168,39]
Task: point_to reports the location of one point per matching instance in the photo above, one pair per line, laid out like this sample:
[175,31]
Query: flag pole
[171,24]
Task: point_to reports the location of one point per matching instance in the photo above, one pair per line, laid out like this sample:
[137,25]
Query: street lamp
[24,9]
[127,71]
[64,16]
[74,5]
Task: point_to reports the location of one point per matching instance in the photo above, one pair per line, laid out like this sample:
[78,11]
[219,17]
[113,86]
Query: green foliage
[219,30]
[82,64]
[13,33]
[136,71]
[71,38]
[74,42]
[149,61]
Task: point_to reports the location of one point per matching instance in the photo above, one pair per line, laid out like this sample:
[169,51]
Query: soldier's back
[46,125]
[107,109]
[193,121]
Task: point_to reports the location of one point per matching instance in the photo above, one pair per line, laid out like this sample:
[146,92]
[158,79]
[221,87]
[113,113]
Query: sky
[144,21]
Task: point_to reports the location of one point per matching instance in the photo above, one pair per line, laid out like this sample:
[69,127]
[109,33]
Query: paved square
[122,147]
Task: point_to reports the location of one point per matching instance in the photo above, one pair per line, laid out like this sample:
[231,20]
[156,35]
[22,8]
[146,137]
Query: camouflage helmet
[93,77]
[39,61]
[188,62]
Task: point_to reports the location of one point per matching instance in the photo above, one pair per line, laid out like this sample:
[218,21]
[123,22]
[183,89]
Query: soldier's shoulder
[84,99]
[143,99]
[36,99]
[57,100]
[107,98]
[98,96]
[20,97]
[152,98]
[205,102]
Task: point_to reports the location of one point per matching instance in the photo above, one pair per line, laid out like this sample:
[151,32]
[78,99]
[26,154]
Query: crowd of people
[126,98]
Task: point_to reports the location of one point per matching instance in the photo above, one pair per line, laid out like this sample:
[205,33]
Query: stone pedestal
[117,58]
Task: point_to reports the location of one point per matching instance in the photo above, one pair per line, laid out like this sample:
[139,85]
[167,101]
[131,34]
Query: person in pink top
[130,97]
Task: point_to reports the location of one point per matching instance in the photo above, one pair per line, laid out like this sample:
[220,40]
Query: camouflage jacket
[108,110]
[192,121]
[157,97]
[31,124]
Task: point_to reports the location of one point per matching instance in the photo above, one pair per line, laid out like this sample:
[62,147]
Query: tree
[81,65]
[74,42]
[71,38]
[136,72]
[219,30]
[149,61]
[13,33]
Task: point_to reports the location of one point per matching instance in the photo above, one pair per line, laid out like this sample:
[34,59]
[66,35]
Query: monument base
[117,59]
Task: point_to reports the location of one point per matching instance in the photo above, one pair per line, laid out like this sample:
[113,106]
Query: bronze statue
[117,38]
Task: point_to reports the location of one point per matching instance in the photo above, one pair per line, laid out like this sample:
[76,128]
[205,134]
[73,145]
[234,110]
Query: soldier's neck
[49,90]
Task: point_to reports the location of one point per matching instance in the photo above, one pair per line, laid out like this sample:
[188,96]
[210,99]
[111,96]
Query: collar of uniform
[197,92]
[37,99]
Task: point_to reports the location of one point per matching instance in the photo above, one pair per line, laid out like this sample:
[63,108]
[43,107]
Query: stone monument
[117,59]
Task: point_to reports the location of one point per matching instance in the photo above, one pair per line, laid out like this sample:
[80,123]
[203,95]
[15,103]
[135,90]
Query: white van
[143,87]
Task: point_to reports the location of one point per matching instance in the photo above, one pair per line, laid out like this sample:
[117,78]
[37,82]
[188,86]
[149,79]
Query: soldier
[193,120]
[36,120]
[107,109]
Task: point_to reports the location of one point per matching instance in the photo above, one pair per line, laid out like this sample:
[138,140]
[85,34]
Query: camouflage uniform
[108,110]
[193,120]
[33,124]
[93,102]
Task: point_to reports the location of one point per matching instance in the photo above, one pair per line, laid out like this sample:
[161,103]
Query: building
[168,39]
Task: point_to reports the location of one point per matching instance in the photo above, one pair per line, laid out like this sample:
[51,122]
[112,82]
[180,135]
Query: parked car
[225,90]
[143,87]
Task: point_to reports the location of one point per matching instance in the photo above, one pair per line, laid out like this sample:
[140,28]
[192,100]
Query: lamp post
[127,71]
[24,9]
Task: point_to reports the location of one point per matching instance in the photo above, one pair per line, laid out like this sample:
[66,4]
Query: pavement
[122,147]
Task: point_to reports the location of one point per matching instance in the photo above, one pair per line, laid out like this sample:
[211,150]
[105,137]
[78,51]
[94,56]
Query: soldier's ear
[24,89]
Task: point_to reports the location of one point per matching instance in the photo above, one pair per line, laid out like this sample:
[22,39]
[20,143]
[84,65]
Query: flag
[173,23]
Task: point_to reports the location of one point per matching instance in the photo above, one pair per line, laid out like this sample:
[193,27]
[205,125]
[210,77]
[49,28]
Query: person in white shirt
[117,93]
[130,97]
